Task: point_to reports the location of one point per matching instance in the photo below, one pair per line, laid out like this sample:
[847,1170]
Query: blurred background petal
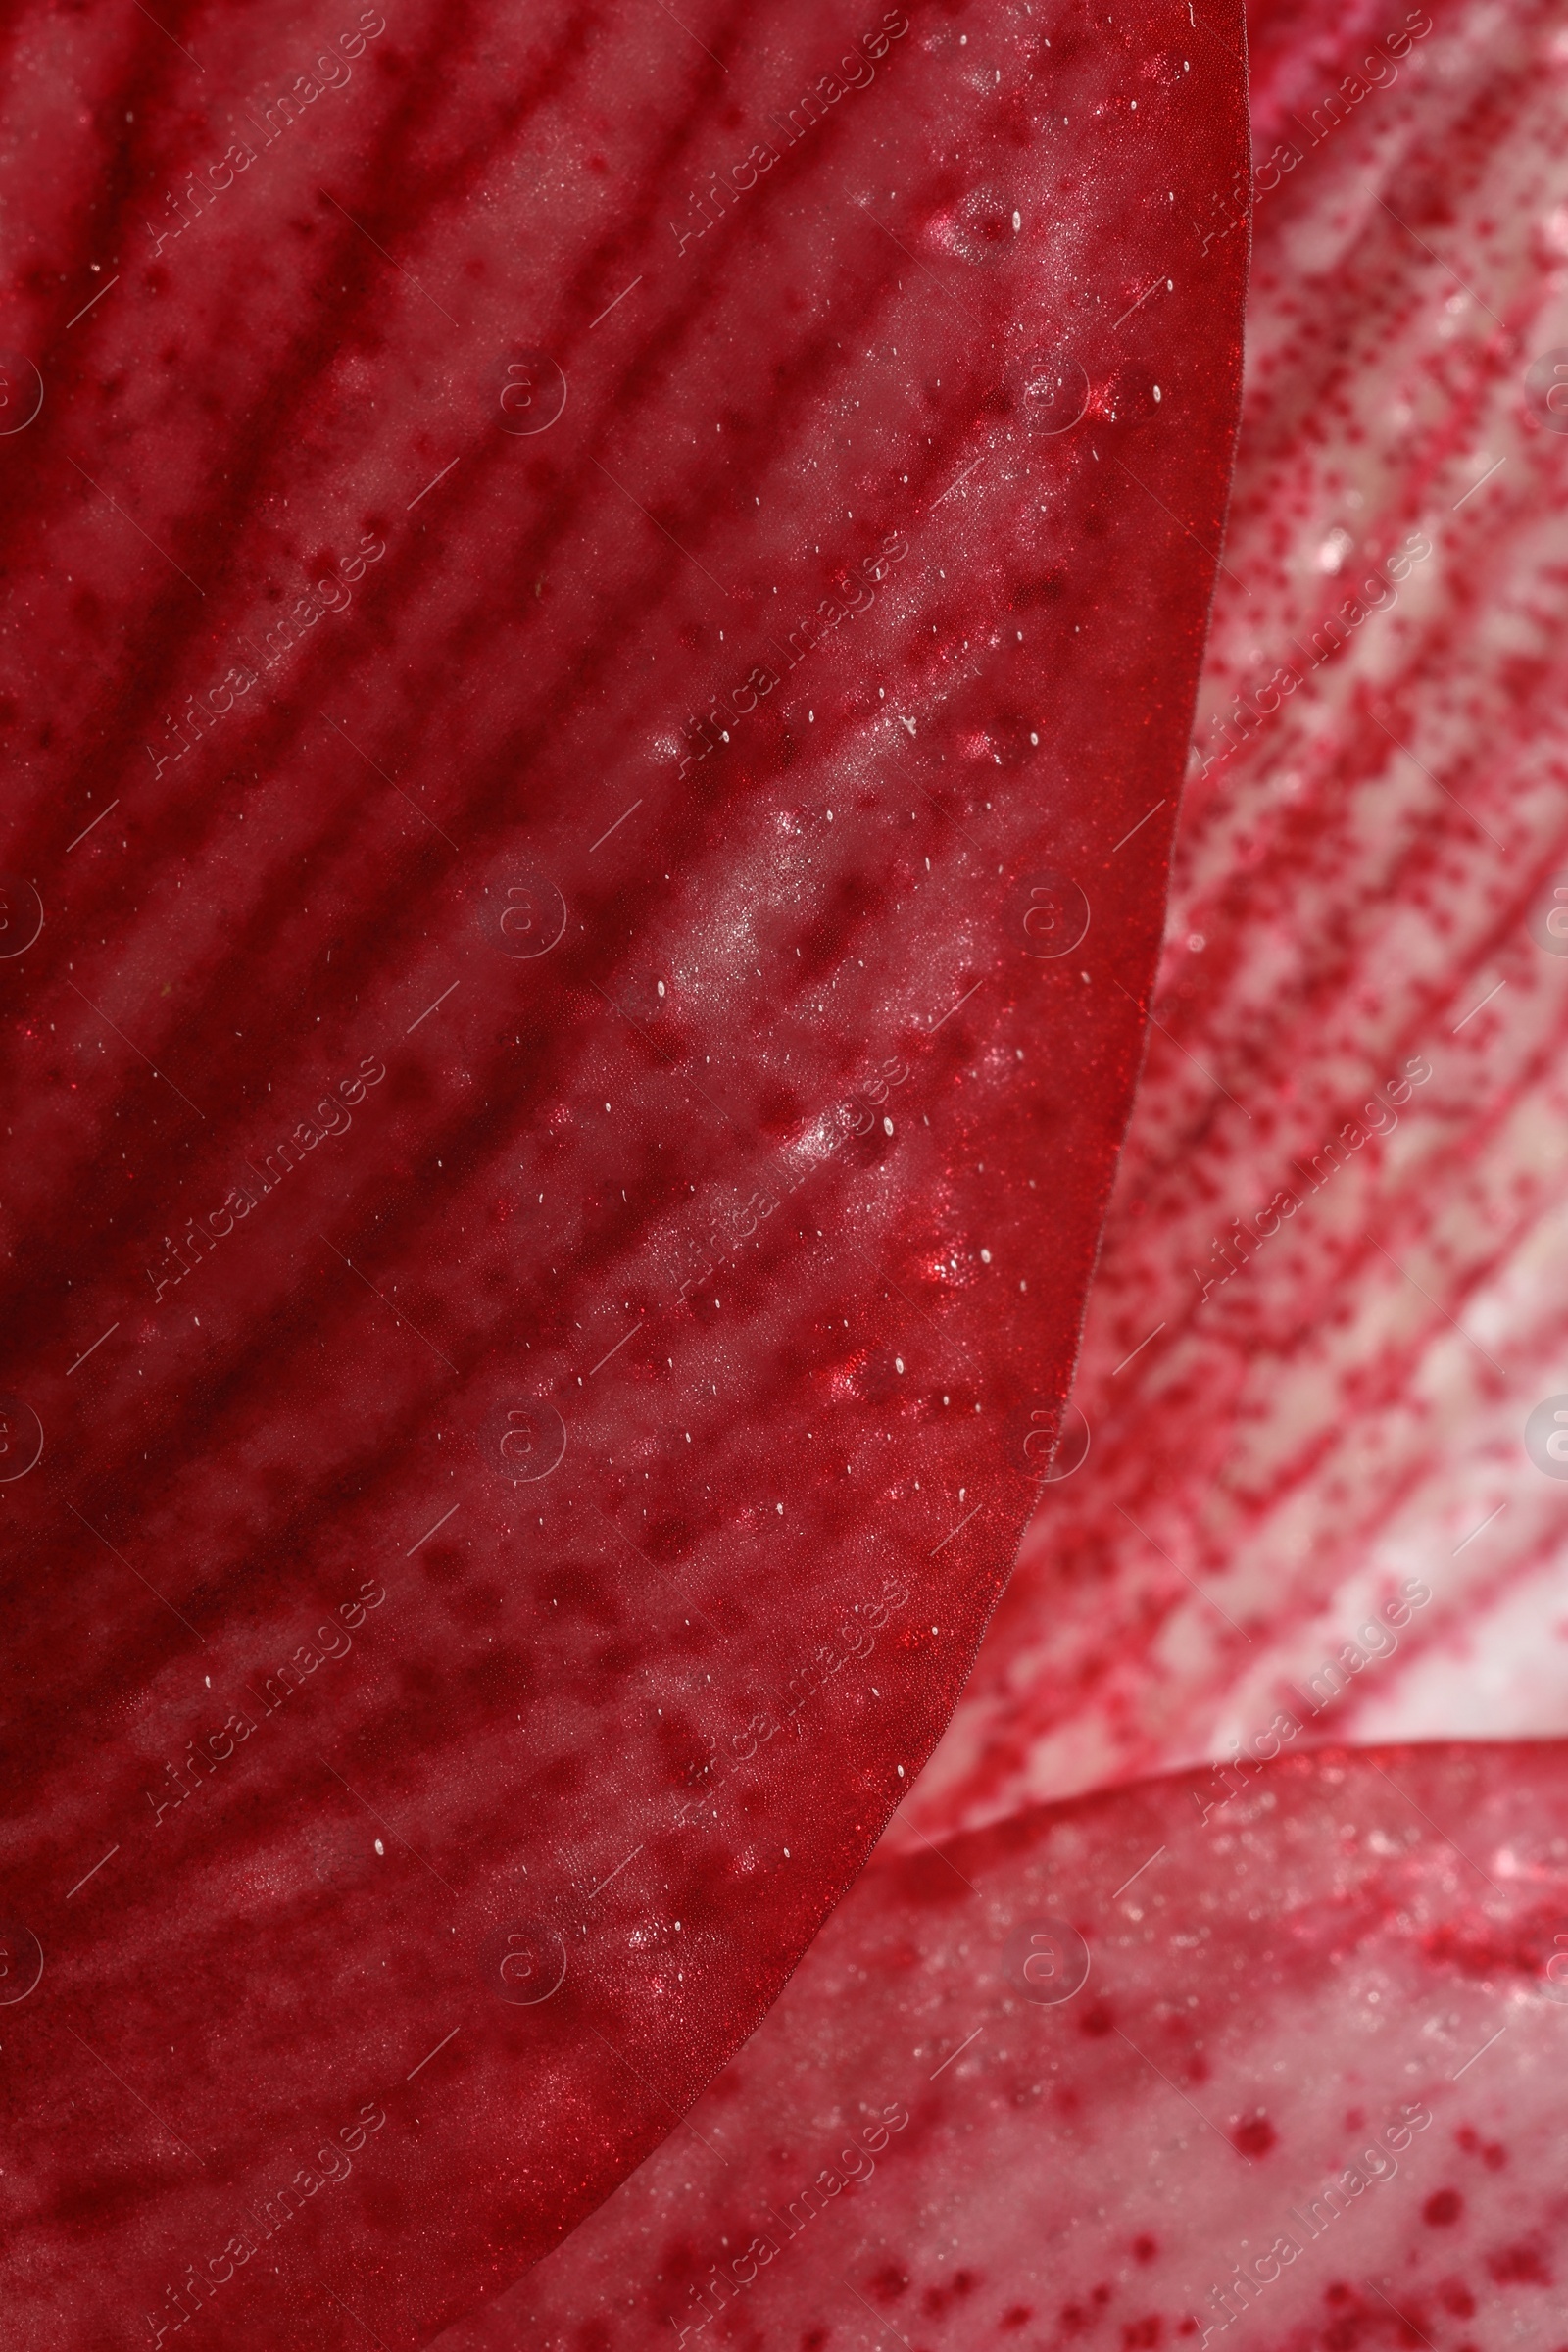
[1327,1303]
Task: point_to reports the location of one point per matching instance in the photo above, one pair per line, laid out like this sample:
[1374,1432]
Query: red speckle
[1144,2248]
[1255,2137]
[889,2283]
[934,2302]
[1141,2335]
[1095,2021]
[1443,2208]
[1518,2266]
[1455,2296]
[1019,2315]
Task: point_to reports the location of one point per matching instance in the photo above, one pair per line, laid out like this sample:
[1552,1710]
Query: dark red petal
[1309,2082]
[486,1584]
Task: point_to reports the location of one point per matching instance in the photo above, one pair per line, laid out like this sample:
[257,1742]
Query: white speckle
[1017,223]
[898,1363]
[887,1126]
[660,988]
[1196,942]
[1157,392]
[900,1771]
[985,1258]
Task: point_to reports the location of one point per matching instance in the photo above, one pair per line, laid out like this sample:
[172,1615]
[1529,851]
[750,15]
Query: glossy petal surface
[594,753]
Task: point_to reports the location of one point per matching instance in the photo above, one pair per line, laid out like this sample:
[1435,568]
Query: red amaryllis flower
[1262,2053]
